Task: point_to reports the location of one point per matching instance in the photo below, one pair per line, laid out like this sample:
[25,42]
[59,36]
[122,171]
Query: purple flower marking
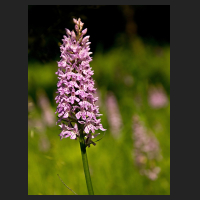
[81,91]
[92,113]
[79,75]
[69,132]
[85,103]
[82,113]
[73,97]
[99,126]
[73,82]
[89,125]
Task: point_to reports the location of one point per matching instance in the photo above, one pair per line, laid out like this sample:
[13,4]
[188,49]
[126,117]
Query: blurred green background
[131,63]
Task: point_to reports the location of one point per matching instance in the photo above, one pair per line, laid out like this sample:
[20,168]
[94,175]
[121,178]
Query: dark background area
[46,26]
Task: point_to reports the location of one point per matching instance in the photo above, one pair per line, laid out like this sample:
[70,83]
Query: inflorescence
[76,102]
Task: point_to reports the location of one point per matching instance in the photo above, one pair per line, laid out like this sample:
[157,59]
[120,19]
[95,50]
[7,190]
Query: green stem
[85,163]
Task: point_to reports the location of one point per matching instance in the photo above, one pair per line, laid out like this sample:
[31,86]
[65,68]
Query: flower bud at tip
[68,32]
[75,21]
[84,31]
[76,28]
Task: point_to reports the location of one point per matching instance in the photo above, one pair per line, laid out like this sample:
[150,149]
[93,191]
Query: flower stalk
[85,163]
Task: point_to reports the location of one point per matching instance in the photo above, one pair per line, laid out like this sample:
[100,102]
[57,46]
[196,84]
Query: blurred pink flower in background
[151,173]
[114,116]
[39,124]
[34,123]
[47,112]
[146,150]
[157,97]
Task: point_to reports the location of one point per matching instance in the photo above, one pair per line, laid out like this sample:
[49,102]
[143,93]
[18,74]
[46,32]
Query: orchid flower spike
[75,92]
